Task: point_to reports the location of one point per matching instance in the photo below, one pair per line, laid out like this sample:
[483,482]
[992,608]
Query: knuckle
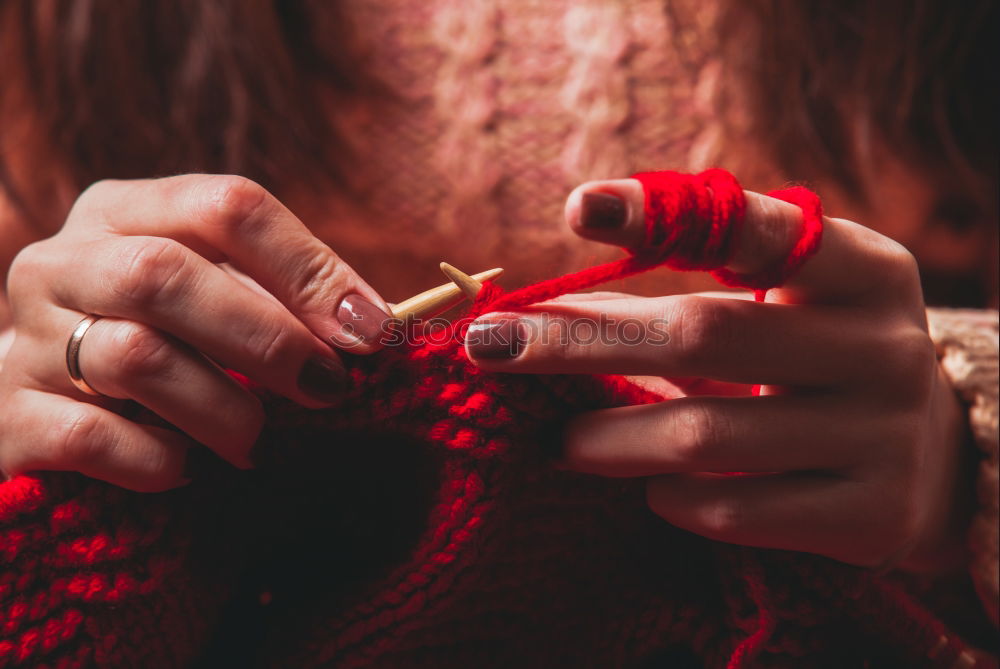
[920,356]
[896,265]
[77,437]
[149,271]
[141,351]
[909,361]
[98,190]
[229,202]
[704,327]
[31,262]
[94,195]
[319,274]
[701,434]
[273,344]
[724,518]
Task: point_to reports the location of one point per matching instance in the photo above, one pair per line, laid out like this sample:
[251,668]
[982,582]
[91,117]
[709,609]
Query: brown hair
[921,75]
[123,88]
[91,89]
[129,88]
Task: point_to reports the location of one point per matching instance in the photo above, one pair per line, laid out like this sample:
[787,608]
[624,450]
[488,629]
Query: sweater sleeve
[968,347]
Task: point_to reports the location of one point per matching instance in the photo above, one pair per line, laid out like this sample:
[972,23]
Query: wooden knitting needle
[437,300]
[469,285]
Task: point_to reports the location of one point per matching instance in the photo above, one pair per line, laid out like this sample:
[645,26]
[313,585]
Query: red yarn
[805,246]
[748,649]
[692,223]
[691,220]
[510,562]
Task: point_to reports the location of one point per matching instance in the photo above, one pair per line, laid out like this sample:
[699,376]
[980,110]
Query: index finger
[854,265]
[233,219]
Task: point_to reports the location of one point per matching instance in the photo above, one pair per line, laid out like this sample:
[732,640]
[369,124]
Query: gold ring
[73,355]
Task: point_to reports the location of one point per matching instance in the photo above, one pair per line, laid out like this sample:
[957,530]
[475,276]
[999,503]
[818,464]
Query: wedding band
[73,354]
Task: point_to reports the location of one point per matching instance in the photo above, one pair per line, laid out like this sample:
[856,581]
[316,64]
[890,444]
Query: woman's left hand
[854,450]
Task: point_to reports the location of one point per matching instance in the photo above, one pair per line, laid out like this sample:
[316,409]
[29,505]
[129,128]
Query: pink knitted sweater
[508,105]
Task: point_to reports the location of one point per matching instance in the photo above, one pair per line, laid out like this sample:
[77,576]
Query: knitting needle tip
[440,298]
[488,274]
[470,285]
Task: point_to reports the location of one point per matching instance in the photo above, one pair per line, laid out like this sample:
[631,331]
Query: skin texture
[152,251]
[854,448]
[855,445]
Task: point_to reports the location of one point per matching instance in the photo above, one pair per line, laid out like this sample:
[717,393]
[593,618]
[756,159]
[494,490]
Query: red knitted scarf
[419,524]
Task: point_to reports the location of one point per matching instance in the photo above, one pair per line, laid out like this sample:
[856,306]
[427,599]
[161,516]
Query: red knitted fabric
[419,524]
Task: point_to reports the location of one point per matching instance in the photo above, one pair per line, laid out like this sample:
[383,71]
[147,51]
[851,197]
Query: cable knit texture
[507,105]
[969,346]
[418,524]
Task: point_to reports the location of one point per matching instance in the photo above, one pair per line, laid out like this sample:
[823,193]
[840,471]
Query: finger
[128,360]
[853,265]
[814,513]
[680,336]
[163,284]
[53,432]
[686,385]
[609,295]
[597,295]
[712,434]
[234,219]
[696,386]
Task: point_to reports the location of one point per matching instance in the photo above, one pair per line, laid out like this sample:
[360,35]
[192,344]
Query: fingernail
[501,340]
[602,211]
[323,379]
[362,319]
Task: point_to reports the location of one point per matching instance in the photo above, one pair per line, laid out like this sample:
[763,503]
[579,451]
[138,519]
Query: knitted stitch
[506,91]
[596,90]
[417,524]
[467,92]
[968,343]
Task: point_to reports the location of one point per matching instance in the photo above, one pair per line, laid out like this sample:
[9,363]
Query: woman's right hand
[145,256]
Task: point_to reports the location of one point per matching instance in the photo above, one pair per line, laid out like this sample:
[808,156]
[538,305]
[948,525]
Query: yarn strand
[692,223]
[507,561]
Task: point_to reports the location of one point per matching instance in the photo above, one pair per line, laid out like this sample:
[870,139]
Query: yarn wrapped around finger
[420,523]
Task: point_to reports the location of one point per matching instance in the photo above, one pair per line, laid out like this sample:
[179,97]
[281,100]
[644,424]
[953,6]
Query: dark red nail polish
[323,379]
[502,340]
[602,211]
[362,319]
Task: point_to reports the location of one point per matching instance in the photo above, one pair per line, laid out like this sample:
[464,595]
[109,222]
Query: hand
[854,448]
[145,256]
